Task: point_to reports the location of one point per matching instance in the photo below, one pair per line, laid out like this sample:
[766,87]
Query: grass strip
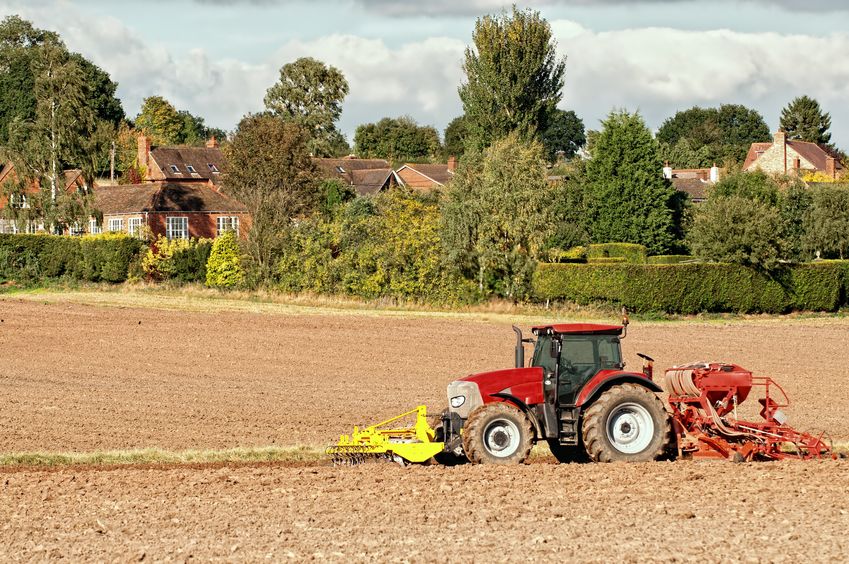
[158,456]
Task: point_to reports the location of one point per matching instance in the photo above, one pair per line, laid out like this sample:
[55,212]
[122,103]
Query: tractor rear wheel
[626,423]
[497,433]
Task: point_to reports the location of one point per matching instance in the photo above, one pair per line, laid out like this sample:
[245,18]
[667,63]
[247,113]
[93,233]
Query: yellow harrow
[407,444]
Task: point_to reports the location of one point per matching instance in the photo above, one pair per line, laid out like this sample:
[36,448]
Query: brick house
[427,177]
[181,163]
[176,209]
[71,181]
[791,157]
[365,176]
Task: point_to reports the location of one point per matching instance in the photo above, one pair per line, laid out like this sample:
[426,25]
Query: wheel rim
[630,428]
[501,438]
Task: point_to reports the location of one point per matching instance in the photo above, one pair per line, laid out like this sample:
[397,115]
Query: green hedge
[32,258]
[631,252]
[607,260]
[670,259]
[697,288]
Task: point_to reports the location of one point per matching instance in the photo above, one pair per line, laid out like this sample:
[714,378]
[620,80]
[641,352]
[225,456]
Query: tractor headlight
[457,401]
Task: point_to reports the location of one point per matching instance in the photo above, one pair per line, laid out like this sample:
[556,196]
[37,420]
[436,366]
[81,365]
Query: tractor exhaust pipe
[520,348]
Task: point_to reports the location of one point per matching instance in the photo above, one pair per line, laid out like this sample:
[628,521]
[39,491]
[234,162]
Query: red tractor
[576,395]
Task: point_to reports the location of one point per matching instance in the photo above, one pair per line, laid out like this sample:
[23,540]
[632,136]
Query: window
[177,227]
[134,226]
[175,170]
[18,201]
[228,224]
[116,224]
[76,229]
[212,167]
[94,228]
[191,169]
[340,170]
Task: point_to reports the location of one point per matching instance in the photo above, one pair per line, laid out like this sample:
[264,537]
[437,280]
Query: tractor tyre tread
[473,434]
[594,434]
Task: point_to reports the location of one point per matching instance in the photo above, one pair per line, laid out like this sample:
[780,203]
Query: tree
[270,171]
[629,201]
[455,137]
[101,91]
[569,208]
[826,227]
[161,121]
[496,216]
[803,119]
[397,140]
[737,230]
[728,131]
[309,94]
[686,154]
[565,133]
[224,266]
[514,78]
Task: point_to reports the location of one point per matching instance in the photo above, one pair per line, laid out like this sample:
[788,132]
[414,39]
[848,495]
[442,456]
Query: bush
[575,254]
[670,259]
[606,260]
[224,267]
[632,253]
[181,260]
[697,288]
[34,258]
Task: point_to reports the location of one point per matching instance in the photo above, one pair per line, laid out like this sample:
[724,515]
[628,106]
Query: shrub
[575,254]
[107,257]
[696,288]
[632,253]
[670,259]
[606,260]
[181,260]
[224,267]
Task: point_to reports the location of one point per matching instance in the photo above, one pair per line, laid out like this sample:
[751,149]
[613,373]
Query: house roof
[370,181]
[811,152]
[163,197]
[366,176]
[439,173]
[207,162]
[695,187]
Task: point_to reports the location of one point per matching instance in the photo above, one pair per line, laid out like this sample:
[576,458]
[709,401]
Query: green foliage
[670,259]
[101,97]
[36,258]
[310,94]
[686,154]
[160,120]
[728,131]
[826,225]
[514,78]
[569,206]
[455,137]
[496,216]
[397,140]
[179,260]
[629,252]
[737,230]
[575,254]
[803,119]
[269,170]
[564,135]
[334,193]
[224,267]
[696,288]
[627,198]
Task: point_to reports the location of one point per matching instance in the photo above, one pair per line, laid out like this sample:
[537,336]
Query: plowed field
[82,378]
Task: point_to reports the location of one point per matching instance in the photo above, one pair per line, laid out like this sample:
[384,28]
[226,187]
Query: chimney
[714,174]
[212,143]
[831,167]
[667,171]
[452,163]
[780,138]
[797,164]
[143,156]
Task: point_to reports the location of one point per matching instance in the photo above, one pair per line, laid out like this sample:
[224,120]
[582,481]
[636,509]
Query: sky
[217,58]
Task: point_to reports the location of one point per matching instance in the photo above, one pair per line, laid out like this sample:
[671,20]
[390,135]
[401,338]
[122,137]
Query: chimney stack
[714,174]
[143,156]
[831,167]
[212,143]
[452,163]
[780,138]
[667,171]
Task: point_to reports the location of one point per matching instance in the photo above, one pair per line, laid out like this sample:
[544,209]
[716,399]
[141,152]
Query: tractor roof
[579,328]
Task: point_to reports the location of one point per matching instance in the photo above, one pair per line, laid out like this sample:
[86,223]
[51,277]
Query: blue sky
[216,58]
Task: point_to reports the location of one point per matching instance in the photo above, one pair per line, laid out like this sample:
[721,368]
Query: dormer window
[212,167]
[340,170]
[191,169]
[174,169]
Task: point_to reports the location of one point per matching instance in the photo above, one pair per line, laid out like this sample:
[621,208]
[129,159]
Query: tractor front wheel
[497,433]
[626,423]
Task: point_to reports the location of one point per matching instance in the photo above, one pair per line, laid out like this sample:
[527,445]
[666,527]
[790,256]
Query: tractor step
[569,418]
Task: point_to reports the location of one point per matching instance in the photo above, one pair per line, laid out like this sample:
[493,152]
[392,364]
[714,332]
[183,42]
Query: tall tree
[564,135]
[455,137]
[270,171]
[496,216]
[826,227]
[728,131]
[399,139]
[160,120]
[514,78]
[803,119]
[310,94]
[629,200]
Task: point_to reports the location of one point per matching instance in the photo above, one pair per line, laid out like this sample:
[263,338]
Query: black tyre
[626,423]
[567,454]
[497,433]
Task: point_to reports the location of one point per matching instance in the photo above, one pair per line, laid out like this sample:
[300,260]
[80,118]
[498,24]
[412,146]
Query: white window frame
[94,228]
[18,201]
[134,226]
[191,169]
[76,230]
[212,167]
[175,169]
[177,227]
[226,223]
[116,224]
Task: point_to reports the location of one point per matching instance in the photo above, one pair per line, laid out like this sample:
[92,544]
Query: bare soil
[83,378]
[683,511]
